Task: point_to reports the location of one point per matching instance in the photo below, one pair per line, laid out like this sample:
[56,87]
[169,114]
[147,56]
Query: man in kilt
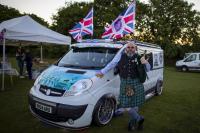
[132,94]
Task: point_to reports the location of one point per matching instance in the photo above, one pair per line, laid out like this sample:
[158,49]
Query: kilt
[135,100]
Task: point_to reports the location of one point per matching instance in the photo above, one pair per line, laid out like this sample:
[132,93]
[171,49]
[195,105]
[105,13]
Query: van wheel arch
[159,88]
[184,68]
[95,116]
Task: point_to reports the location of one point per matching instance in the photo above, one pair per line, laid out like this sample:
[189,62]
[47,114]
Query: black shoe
[131,125]
[140,124]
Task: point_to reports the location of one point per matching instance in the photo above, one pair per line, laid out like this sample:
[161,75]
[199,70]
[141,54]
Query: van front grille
[51,91]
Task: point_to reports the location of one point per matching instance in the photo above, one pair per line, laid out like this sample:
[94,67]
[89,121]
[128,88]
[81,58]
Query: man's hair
[132,43]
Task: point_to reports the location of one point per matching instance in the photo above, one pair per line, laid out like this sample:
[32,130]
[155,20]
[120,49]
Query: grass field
[177,110]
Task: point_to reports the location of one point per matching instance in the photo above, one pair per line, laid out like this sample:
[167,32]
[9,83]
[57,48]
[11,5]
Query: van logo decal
[48,92]
[57,78]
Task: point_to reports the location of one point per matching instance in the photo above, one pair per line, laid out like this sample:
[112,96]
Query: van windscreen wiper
[81,67]
[68,65]
[91,67]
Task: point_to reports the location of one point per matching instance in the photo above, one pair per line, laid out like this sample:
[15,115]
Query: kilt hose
[137,99]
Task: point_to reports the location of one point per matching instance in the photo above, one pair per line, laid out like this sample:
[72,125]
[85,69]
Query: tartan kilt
[135,100]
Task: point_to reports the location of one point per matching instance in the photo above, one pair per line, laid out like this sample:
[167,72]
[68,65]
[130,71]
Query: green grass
[177,110]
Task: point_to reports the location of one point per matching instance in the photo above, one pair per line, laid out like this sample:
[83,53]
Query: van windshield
[186,55]
[88,58]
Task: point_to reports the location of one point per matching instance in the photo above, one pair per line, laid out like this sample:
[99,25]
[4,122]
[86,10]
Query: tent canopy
[25,28]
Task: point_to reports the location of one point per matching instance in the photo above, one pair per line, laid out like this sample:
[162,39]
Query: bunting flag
[122,25]
[84,27]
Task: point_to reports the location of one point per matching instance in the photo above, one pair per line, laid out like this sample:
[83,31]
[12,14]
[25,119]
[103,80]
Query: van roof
[117,44]
[101,44]
[193,53]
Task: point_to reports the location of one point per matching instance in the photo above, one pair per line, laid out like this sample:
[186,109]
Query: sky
[46,8]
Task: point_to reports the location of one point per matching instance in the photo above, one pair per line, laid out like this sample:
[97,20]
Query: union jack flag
[84,27]
[122,25]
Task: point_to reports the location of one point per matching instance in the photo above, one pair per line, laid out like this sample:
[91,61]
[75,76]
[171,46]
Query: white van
[191,62]
[69,95]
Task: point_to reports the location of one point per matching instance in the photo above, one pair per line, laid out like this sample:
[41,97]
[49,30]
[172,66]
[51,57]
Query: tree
[69,15]
[8,13]
[171,21]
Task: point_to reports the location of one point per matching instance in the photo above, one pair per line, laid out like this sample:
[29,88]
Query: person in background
[132,94]
[28,60]
[20,61]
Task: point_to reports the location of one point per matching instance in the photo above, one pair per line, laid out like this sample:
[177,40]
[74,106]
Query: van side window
[199,56]
[150,59]
[191,58]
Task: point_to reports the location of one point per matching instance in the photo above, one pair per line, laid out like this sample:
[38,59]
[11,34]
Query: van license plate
[43,108]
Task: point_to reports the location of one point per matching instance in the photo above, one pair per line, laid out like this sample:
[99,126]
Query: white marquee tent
[26,29]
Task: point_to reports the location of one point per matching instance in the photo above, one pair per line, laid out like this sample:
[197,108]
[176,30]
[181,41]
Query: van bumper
[60,114]
[178,67]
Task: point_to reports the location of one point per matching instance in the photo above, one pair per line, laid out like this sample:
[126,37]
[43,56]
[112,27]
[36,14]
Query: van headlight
[79,87]
[177,63]
[36,83]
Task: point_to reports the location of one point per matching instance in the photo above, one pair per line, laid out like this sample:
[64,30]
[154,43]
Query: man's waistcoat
[128,66]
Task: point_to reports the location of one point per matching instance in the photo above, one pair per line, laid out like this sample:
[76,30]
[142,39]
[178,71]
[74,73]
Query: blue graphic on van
[56,77]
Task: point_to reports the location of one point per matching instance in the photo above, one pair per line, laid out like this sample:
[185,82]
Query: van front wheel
[104,111]
[184,69]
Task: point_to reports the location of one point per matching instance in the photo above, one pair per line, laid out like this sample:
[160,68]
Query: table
[8,70]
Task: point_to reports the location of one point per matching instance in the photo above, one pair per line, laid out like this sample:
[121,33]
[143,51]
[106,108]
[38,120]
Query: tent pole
[41,54]
[3,65]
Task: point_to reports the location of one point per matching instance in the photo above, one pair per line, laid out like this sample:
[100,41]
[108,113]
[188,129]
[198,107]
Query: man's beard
[130,54]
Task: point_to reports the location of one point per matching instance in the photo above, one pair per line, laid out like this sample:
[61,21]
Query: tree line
[172,24]
[9,13]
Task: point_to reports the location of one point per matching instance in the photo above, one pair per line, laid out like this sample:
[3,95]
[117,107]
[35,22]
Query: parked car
[69,95]
[191,62]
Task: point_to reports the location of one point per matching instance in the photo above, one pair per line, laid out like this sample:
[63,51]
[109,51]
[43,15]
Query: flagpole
[41,53]
[3,63]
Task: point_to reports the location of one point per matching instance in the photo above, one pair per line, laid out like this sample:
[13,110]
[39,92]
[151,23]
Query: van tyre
[159,88]
[184,68]
[103,111]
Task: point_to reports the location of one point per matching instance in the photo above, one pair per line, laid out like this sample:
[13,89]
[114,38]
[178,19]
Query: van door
[192,62]
[156,72]
[198,61]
